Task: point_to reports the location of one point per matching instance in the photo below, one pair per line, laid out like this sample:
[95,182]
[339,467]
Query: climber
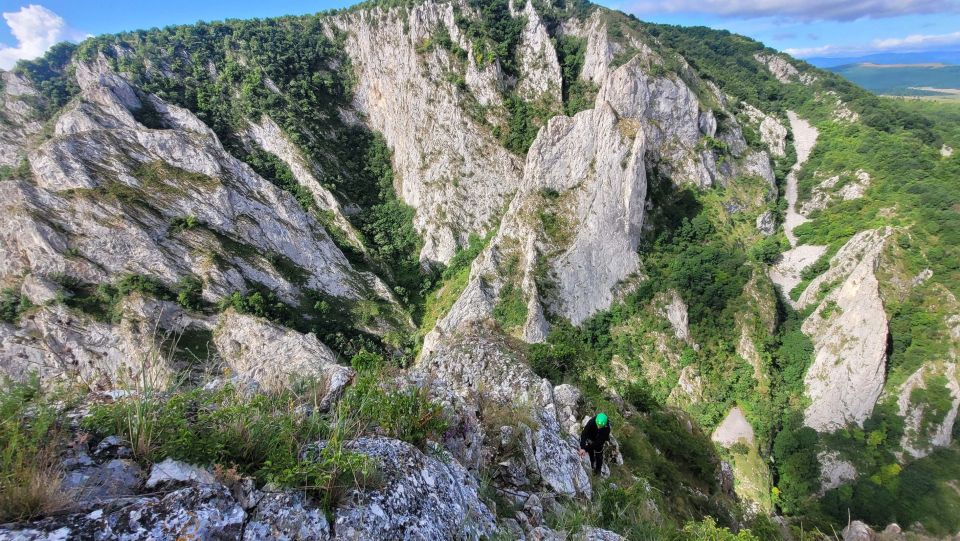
[594,435]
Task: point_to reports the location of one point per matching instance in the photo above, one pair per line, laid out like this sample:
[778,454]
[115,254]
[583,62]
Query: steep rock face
[575,222]
[109,190]
[928,426]
[674,310]
[779,67]
[540,77]
[479,364]
[272,356]
[849,333]
[267,135]
[57,343]
[453,172]
[18,115]
[773,133]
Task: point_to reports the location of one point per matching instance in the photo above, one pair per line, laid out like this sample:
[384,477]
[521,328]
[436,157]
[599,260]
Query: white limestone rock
[849,333]
[540,77]
[451,170]
[267,135]
[780,67]
[773,133]
[834,471]
[918,440]
[825,193]
[671,306]
[733,429]
[273,357]
[419,493]
[173,472]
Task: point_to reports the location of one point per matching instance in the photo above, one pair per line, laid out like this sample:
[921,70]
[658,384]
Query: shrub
[707,530]
[30,474]
[12,304]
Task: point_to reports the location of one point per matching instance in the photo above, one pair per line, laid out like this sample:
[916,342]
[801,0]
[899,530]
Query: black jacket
[594,437]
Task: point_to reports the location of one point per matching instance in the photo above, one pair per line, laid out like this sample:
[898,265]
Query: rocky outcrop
[581,203]
[479,364]
[779,67]
[110,191]
[772,132]
[271,356]
[267,135]
[826,192]
[58,344]
[450,169]
[734,429]
[928,426]
[849,332]
[671,307]
[418,493]
[540,77]
[19,117]
[834,471]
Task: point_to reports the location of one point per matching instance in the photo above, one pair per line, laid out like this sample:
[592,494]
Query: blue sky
[801,27]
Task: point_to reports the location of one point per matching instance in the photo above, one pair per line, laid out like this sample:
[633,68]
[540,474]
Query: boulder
[419,496]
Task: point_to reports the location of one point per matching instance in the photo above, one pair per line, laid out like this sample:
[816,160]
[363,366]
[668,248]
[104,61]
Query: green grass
[30,432]
[511,308]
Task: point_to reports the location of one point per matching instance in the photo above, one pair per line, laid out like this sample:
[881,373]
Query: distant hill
[903,79]
[941,57]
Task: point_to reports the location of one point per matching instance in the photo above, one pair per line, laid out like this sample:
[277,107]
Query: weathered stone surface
[173,471]
[540,77]
[783,70]
[671,306]
[834,471]
[272,356]
[766,223]
[849,333]
[918,440]
[93,483]
[419,497]
[734,428]
[205,512]
[283,516]
[451,170]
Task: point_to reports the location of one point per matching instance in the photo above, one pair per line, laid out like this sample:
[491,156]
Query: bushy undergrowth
[30,432]
[278,438]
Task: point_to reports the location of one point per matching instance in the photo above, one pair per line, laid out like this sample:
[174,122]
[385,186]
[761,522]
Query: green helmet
[601,420]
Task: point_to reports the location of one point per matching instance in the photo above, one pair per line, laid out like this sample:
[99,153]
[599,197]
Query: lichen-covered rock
[419,497]
[175,472]
[849,333]
[206,512]
[272,356]
[112,479]
[283,516]
[773,133]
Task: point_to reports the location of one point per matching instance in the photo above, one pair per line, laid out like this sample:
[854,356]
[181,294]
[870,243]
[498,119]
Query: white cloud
[36,29]
[919,41]
[912,43]
[810,10]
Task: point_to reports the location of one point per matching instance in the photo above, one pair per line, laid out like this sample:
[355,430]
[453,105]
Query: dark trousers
[596,457]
